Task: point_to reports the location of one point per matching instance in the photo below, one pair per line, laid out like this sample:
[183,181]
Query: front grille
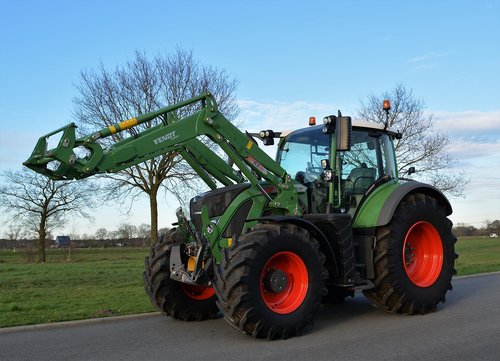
[217,201]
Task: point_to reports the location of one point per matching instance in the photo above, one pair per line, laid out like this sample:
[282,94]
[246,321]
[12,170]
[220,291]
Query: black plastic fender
[326,246]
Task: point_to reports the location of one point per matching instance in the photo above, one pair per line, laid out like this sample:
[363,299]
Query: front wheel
[270,284]
[179,300]
[414,258]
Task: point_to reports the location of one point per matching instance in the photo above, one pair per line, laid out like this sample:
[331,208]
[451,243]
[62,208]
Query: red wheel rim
[423,254]
[294,286]
[198,293]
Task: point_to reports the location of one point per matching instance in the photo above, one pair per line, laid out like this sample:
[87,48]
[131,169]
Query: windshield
[303,151]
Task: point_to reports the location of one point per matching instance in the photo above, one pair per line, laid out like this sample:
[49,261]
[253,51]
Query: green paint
[368,214]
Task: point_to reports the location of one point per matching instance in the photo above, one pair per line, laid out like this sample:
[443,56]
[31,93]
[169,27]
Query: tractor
[274,239]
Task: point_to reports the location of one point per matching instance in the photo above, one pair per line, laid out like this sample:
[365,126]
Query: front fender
[379,206]
[327,245]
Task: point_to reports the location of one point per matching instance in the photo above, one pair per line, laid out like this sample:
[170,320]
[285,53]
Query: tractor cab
[337,180]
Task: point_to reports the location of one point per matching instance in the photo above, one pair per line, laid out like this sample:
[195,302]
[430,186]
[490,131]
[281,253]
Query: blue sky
[292,59]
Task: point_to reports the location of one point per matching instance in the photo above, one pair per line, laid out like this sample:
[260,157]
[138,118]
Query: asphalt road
[466,327]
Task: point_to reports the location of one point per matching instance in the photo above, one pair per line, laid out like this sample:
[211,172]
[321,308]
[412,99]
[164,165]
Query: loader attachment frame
[173,135]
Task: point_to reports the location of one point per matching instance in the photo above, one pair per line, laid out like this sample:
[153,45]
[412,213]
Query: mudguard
[326,246]
[379,206]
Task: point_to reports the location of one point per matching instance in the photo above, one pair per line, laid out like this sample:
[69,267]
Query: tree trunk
[153,206]
[41,245]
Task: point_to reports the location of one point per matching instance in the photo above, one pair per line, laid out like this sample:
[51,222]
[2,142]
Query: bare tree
[101,234]
[41,204]
[15,232]
[421,146]
[143,232]
[493,227]
[127,231]
[138,87]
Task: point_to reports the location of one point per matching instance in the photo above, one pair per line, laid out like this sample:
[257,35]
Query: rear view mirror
[343,129]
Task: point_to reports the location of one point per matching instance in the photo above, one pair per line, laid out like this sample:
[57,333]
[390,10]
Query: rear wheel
[414,258]
[270,284]
[179,300]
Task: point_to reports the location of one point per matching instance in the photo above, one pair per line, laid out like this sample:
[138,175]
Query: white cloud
[427,61]
[468,121]
[281,115]
[428,56]
[473,134]
[463,149]
[387,38]
[425,66]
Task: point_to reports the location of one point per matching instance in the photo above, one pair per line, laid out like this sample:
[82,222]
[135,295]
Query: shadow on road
[333,315]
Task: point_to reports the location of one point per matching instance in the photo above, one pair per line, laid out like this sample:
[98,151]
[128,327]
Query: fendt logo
[165,137]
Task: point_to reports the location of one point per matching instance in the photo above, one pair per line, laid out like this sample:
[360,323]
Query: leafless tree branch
[141,85]
[421,146]
[41,204]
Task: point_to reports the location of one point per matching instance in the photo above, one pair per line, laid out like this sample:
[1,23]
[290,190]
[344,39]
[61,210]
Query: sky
[293,59]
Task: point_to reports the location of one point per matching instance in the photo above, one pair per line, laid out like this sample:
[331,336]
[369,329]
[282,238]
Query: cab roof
[355,124]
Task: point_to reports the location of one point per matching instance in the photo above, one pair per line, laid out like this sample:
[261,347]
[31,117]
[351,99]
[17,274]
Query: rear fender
[378,209]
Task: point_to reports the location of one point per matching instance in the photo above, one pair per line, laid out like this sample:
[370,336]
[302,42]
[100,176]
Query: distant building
[63,241]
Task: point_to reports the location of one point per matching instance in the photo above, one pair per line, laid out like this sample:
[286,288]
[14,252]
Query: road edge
[62,324]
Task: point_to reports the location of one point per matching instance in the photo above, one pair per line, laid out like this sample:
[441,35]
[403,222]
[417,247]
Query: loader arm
[171,135]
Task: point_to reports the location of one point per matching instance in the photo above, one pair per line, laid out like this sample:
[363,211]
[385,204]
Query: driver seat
[360,179]
[357,183]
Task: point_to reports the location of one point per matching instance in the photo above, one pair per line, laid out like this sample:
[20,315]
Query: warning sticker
[257,165]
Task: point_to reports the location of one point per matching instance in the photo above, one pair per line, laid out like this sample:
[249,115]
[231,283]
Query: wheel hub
[409,254]
[275,280]
[423,254]
[284,282]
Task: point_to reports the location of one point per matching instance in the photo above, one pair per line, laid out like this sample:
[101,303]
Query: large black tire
[414,258]
[176,299]
[271,282]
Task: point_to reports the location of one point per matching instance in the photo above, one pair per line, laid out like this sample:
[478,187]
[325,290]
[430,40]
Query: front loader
[274,239]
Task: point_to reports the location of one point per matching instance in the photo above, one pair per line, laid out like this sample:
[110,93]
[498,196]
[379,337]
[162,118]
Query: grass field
[108,282]
[477,255]
[96,283]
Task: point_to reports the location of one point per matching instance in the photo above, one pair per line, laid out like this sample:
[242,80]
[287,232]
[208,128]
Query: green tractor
[274,239]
